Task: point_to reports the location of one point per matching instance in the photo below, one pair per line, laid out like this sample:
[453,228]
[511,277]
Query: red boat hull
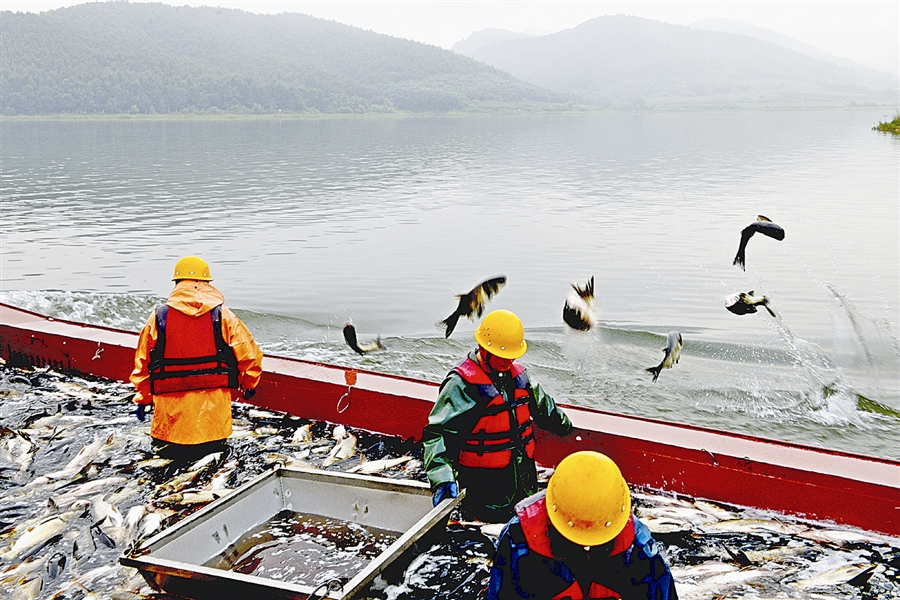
[803,481]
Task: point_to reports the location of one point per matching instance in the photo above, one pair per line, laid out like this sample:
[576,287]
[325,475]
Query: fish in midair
[473,302]
[578,311]
[350,337]
[672,354]
[746,303]
[762,225]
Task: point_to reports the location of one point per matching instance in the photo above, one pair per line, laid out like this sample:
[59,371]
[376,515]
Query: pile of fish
[80,486]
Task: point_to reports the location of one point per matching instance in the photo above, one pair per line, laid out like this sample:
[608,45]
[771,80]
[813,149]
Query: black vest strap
[226,361]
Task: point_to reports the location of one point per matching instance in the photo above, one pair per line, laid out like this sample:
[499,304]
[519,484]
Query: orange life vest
[504,426]
[190,353]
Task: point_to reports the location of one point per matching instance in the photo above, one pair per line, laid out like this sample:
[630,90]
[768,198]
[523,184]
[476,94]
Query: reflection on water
[310,223]
[304,549]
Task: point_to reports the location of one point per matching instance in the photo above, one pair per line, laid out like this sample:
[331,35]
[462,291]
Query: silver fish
[28,590]
[716,584]
[672,354]
[133,517]
[183,480]
[221,477]
[841,537]
[108,520]
[189,498]
[151,523]
[472,303]
[368,467]
[752,525]
[342,450]
[22,570]
[578,311]
[302,435]
[38,534]
[745,303]
[762,225]
[63,501]
[691,515]
[834,576]
[350,338]
[84,457]
[56,564]
[15,451]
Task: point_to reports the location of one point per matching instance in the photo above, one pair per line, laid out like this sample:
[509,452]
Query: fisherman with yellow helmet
[193,357]
[578,540]
[480,434]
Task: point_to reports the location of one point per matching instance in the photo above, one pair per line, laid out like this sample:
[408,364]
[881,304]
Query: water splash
[128,311]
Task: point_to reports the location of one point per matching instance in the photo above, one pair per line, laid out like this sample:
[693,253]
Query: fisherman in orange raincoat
[193,358]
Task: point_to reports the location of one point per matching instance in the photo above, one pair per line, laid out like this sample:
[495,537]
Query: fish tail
[586,292]
[655,370]
[450,324]
[739,260]
[765,303]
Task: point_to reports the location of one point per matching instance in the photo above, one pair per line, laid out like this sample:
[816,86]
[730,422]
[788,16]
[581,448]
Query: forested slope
[119,57]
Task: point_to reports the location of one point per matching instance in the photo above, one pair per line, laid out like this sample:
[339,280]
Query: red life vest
[535,524]
[503,426]
[190,353]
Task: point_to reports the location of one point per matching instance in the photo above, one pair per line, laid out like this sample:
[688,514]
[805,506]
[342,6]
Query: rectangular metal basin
[173,560]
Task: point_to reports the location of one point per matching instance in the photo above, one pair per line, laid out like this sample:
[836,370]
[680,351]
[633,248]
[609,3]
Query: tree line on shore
[119,58]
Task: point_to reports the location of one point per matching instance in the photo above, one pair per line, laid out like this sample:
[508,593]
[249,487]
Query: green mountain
[118,57]
[623,61]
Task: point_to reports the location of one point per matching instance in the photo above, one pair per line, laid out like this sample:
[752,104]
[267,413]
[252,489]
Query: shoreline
[505,111]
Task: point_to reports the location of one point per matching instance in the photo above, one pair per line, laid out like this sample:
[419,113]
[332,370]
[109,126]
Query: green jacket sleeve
[547,415]
[445,423]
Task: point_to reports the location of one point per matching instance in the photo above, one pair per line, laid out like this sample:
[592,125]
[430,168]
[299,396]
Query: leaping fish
[762,225]
[672,354]
[578,311]
[350,337]
[473,302]
[746,303]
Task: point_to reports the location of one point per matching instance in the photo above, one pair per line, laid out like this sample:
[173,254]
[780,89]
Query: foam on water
[777,385]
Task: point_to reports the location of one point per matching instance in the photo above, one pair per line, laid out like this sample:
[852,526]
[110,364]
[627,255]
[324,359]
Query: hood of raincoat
[194,298]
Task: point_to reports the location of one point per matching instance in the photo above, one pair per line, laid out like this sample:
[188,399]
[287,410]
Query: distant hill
[622,61]
[119,57]
[867,76]
[483,38]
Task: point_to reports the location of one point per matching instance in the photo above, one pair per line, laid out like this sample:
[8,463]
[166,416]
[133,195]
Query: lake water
[308,223]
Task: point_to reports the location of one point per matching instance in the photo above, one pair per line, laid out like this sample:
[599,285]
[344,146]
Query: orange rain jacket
[198,416]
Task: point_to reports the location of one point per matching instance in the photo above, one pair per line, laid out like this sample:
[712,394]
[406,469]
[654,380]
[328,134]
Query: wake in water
[779,386]
[128,311]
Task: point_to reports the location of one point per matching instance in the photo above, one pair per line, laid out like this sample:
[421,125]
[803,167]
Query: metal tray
[173,560]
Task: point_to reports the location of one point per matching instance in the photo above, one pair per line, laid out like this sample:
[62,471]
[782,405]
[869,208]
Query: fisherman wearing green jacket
[480,434]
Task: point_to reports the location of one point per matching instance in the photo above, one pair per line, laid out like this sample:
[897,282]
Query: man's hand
[448,489]
[142,410]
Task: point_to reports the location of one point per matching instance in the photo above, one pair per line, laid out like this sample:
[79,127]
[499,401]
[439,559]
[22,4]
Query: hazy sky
[867,32]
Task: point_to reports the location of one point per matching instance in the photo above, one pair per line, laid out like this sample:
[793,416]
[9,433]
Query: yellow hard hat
[191,267]
[501,333]
[587,498]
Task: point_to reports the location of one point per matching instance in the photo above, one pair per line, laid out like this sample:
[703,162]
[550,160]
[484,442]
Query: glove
[142,410]
[448,489]
[249,393]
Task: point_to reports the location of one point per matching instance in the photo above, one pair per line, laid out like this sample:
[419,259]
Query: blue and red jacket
[534,561]
[503,426]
